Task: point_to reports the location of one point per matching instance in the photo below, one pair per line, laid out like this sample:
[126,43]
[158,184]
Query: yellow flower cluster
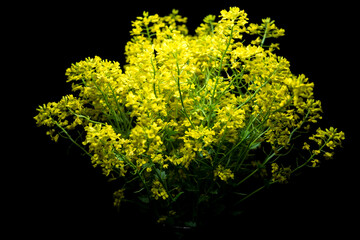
[158,190]
[103,144]
[190,110]
[330,137]
[66,113]
[280,174]
[327,140]
[118,197]
[267,29]
[223,174]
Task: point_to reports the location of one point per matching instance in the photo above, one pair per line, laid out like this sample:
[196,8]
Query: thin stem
[177,79]
[115,122]
[85,117]
[257,169]
[311,157]
[250,194]
[265,33]
[71,139]
[221,62]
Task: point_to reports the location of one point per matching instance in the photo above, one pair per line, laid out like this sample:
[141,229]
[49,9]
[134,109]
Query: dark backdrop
[62,193]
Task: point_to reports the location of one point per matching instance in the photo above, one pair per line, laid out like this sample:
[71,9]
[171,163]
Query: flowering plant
[193,121]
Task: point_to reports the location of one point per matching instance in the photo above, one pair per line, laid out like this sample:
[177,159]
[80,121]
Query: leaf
[255,145]
[160,174]
[177,196]
[147,165]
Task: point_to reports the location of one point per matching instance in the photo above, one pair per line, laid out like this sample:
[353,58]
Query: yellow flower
[102,141]
[223,174]
[328,155]
[306,146]
[315,162]
[329,138]
[233,13]
[280,174]
[158,190]
[162,219]
[118,197]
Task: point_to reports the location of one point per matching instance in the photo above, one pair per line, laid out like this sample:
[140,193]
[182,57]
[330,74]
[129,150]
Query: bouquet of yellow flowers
[192,122]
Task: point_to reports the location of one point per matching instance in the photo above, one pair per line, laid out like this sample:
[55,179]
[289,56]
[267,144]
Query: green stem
[71,139]
[311,157]
[154,76]
[115,122]
[250,194]
[85,117]
[264,37]
[179,89]
[237,77]
[257,169]
[253,95]
[221,62]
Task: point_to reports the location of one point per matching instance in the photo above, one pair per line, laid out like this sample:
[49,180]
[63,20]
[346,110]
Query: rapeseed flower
[223,174]
[191,120]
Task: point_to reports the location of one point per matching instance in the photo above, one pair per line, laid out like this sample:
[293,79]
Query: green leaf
[255,145]
[160,174]
[147,165]
[177,196]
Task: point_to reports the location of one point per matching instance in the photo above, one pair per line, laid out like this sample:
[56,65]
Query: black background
[54,191]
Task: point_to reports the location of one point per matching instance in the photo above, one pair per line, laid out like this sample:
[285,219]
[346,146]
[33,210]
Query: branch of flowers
[263,132]
[312,156]
[275,153]
[264,163]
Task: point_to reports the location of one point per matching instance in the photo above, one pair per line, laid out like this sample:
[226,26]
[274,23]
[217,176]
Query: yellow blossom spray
[192,121]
